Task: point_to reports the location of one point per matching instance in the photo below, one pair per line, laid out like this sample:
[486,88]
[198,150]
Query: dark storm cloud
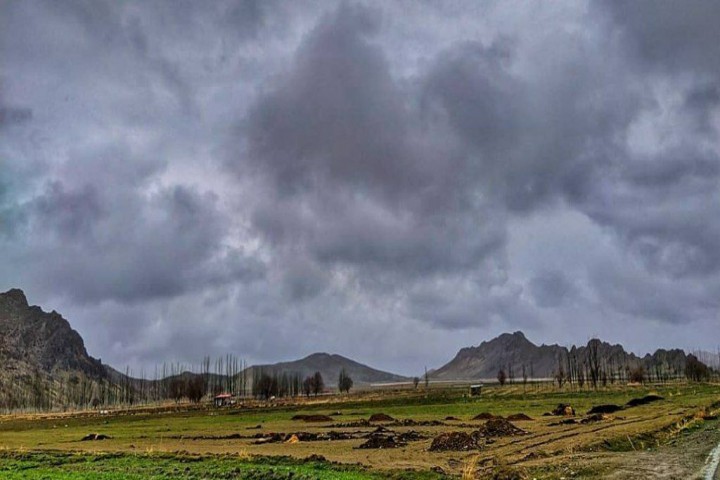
[238,175]
[337,115]
[117,246]
[355,182]
[14,115]
[667,35]
[551,288]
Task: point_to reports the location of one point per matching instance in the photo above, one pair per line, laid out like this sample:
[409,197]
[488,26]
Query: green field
[183,442]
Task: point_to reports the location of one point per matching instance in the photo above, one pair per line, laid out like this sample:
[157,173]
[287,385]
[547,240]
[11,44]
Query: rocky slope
[513,352]
[33,340]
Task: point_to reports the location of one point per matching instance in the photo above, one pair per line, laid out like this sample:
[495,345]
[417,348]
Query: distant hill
[329,366]
[513,352]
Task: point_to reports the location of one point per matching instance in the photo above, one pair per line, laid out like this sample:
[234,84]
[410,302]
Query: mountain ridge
[35,344]
[519,357]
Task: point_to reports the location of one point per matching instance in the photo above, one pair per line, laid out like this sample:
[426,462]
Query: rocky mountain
[513,353]
[33,340]
[329,366]
[508,350]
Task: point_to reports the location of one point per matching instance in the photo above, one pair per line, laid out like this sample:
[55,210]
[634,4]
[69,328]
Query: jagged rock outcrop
[31,339]
[508,352]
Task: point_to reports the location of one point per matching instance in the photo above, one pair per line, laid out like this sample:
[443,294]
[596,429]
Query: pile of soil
[498,427]
[610,408]
[451,418]
[595,417]
[231,436]
[315,418]
[567,421]
[409,422]
[453,441]
[298,417]
[380,441]
[518,417]
[94,436]
[564,410]
[410,436]
[263,438]
[644,400]
[485,416]
[381,417]
[358,424]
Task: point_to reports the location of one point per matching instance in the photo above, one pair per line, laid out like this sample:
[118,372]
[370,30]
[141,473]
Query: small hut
[223,400]
[476,389]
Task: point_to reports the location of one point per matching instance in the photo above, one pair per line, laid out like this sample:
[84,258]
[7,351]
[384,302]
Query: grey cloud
[355,184]
[702,101]
[259,170]
[627,289]
[667,35]
[530,143]
[551,289]
[337,115]
[94,249]
[14,115]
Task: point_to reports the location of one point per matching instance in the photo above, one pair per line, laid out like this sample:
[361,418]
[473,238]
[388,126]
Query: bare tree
[345,383]
[318,384]
[502,377]
[593,361]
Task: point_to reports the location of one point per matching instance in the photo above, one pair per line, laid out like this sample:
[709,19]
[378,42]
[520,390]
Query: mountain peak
[516,338]
[15,297]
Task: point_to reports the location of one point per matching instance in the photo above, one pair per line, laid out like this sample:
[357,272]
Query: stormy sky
[386,180]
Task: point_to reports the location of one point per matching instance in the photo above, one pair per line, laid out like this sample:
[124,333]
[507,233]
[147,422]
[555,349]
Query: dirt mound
[453,441]
[498,427]
[409,422]
[595,417]
[644,400]
[231,436]
[610,408]
[381,417]
[485,416]
[358,424]
[263,438]
[567,421]
[94,436]
[315,418]
[451,418]
[298,417]
[410,436]
[379,441]
[564,410]
[518,417]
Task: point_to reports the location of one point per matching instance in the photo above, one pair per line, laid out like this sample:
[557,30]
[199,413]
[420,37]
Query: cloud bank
[391,181]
